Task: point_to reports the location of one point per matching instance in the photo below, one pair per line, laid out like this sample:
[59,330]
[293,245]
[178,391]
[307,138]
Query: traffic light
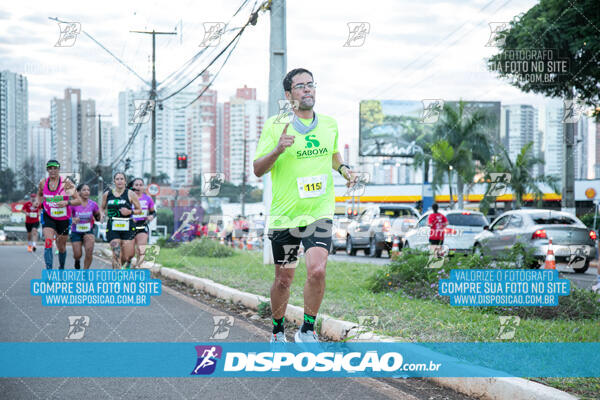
[181,161]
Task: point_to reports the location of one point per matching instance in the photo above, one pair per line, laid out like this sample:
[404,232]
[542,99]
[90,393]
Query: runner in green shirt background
[300,154]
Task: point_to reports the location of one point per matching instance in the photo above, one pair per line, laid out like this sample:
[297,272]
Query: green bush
[164,243]
[206,248]
[408,275]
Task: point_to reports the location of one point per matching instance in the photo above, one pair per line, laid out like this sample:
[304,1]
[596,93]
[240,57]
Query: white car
[459,235]
[2,235]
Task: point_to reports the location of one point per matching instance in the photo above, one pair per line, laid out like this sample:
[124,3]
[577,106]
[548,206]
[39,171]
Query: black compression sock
[309,323]
[278,325]
[77,264]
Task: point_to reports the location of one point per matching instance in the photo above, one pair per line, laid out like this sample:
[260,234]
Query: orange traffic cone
[550,260]
[395,247]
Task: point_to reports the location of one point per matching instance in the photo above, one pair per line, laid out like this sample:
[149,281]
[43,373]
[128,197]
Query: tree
[465,134]
[570,30]
[442,155]
[519,177]
[371,113]
[28,178]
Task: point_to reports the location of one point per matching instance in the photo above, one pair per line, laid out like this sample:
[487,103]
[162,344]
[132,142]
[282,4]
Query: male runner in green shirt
[300,156]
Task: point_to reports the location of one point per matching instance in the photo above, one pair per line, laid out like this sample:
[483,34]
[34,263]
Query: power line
[252,20]
[108,51]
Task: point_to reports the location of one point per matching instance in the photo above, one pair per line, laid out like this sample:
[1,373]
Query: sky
[413,50]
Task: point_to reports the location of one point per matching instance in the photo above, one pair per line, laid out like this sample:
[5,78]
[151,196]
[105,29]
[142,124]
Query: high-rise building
[124,146]
[553,139]
[107,137]
[171,135]
[74,131]
[14,118]
[519,124]
[220,148]
[202,121]
[581,148]
[243,119]
[40,146]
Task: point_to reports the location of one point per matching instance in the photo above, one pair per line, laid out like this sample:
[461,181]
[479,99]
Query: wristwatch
[340,167]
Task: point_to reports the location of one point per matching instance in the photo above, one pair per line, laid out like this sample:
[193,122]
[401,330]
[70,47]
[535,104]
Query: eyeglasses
[301,86]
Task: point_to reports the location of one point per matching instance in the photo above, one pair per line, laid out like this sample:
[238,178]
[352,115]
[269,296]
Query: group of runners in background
[67,211]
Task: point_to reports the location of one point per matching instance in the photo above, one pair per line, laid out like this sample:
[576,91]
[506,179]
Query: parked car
[338,239]
[534,228]
[463,226]
[377,226]
[2,235]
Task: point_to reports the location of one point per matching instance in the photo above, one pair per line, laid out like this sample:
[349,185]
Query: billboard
[392,128]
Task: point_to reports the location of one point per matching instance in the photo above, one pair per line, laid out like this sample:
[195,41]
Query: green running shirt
[302,184]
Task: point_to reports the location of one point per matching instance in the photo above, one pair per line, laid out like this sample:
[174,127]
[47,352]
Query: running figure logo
[286,111]
[573,109]
[207,359]
[212,183]
[358,189]
[437,256]
[496,38]
[508,326]
[68,34]
[432,108]
[142,112]
[151,254]
[188,219]
[498,182]
[212,34]
[223,323]
[290,257]
[357,33]
[77,325]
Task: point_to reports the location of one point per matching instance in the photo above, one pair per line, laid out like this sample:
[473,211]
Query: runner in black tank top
[120,229]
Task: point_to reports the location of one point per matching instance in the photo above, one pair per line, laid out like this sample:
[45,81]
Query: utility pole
[99,166]
[568,175]
[277,70]
[153,95]
[243,193]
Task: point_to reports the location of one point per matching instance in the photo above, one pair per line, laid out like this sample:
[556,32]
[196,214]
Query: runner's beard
[306,104]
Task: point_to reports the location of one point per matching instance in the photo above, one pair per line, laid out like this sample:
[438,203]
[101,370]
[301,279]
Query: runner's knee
[317,272]
[283,282]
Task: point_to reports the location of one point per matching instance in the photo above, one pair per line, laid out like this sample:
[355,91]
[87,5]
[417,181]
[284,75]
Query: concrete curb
[482,388]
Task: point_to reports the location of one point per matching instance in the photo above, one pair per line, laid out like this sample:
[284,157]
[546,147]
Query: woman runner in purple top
[142,220]
[83,216]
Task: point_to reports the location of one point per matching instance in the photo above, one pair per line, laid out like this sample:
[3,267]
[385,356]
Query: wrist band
[340,167]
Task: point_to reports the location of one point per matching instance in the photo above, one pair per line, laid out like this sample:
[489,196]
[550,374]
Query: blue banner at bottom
[327,360]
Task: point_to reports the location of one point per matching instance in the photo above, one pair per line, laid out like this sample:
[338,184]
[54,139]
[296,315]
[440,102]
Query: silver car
[378,226]
[572,242]
[459,235]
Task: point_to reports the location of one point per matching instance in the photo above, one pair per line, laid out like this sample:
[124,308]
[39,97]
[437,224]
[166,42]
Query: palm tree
[465,133]
[519,177]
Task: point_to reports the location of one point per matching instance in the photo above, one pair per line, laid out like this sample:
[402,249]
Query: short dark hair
[287,81]
[434,207]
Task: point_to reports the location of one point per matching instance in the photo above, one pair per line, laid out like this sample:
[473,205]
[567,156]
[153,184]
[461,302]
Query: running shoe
[278,337]
[596,288]
[306,337]
[34,249]
[29,250]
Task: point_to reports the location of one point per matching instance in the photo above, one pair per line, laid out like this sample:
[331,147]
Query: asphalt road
[171,317]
